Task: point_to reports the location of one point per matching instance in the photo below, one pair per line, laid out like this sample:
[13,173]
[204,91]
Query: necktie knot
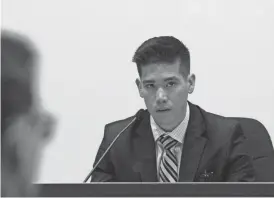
[167,141]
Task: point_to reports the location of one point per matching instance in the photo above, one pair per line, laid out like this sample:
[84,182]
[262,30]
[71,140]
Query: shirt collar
[177,134]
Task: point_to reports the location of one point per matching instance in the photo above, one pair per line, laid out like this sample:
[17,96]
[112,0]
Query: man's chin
[163,119]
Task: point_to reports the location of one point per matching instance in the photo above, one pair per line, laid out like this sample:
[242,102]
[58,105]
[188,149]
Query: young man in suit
[25,126]
[175,140]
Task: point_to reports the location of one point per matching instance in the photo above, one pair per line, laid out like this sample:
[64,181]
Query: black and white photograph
[137,98]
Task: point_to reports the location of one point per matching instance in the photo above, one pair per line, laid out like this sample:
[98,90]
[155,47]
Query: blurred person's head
[163,65]
[24,125]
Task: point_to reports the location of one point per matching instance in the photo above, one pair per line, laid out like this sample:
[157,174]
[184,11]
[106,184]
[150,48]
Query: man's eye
[171,84]
[149,85]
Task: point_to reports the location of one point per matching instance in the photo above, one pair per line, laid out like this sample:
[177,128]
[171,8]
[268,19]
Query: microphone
[137,118]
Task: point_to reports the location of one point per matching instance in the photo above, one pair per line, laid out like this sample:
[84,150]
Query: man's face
[165,92]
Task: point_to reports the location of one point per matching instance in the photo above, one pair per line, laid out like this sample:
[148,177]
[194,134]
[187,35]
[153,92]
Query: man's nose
[161,96]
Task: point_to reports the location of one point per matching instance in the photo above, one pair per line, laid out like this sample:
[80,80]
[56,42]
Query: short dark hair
[162,49]
[18,58]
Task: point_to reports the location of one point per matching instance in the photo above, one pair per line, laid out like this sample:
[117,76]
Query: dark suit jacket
[260,147]
[213,151]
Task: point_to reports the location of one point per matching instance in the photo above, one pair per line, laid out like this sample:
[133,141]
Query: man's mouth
[162,110]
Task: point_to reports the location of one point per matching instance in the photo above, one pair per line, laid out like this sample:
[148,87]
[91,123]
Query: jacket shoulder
[219,120]
[220,127]
[113,128]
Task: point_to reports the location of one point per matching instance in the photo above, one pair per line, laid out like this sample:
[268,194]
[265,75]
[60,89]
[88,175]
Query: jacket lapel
[144,151]
[194,145]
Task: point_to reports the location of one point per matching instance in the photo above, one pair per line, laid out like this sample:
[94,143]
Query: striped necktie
[168,163]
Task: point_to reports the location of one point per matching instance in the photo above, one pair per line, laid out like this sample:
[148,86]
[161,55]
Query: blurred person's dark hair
[23,124]
[162,49]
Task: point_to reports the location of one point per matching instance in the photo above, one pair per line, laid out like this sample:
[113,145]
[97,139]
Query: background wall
[87,78]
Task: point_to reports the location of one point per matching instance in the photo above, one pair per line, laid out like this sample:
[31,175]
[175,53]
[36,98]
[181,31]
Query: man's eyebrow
[148,81]
[171,78]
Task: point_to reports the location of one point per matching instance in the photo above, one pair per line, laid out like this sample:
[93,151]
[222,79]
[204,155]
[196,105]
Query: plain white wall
[87,78]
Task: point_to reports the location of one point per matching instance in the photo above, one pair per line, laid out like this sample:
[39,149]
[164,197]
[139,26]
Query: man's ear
[139,86]
[191,83]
